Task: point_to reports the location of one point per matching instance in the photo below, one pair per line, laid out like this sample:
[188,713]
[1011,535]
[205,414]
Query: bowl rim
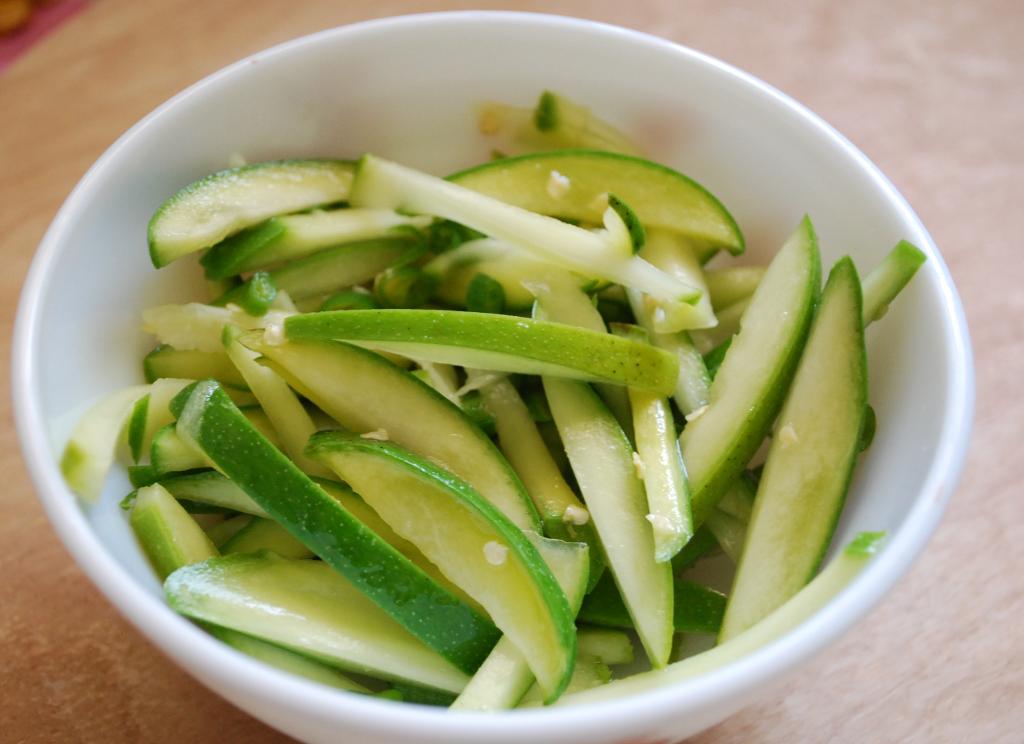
[214,663]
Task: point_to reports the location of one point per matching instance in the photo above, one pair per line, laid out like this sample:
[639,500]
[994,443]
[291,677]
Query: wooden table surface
[930,90]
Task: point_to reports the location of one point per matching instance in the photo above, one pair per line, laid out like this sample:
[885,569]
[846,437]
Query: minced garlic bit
[638,466]
[558,185]
[495,553]
[662,525]
[696,414]
[599,203]
[380,435]
[273,334]
[787,435]
[489,121]
[575,515]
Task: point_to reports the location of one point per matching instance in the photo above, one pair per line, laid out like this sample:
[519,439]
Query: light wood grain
[931,91]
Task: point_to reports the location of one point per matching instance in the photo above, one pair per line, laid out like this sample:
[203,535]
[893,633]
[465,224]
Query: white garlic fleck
[558,185]
[696,414]
[638,466]
[662,525]
[575,515]
[495,553]
[787,435]
[273,334]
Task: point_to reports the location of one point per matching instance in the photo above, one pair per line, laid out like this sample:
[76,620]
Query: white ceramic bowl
[405,88]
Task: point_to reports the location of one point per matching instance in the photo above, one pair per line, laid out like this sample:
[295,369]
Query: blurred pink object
[44,20]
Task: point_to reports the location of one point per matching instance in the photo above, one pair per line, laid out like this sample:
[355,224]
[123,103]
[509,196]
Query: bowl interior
[407,90]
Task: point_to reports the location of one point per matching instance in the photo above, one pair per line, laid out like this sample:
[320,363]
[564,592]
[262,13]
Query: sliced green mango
[207,211]
[499,342]
[330,270]
[752,382]
[340,379]
[210,422]
[168,534]
[90,451]
[601,255]
[505,677]
[660,196]
[602,459]
[190,364]
[473,543]
[887,280]
[810,461]
[311,609]
[300,235]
